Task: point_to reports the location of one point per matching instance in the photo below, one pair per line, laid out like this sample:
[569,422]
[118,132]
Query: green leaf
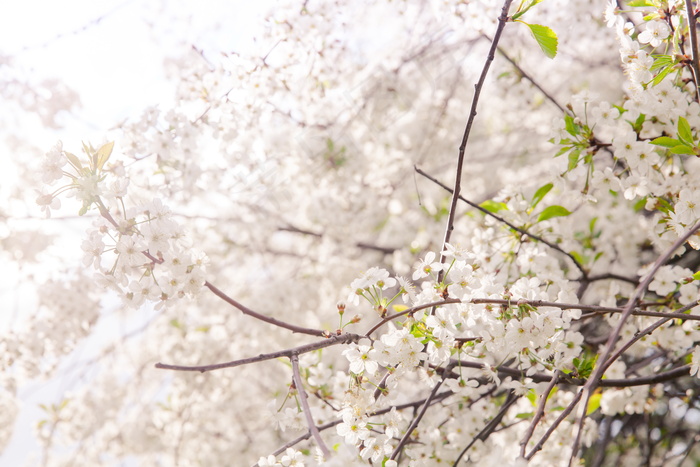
[685,134]
[573,159]
[571,127]
[593,403]
[696,276]
[661,61]
[660,77]
[666,142]
[553,211]
[546,38]
[493,206]
[562,151]
[524,10]
[540,193]
[639,3]
[682,149]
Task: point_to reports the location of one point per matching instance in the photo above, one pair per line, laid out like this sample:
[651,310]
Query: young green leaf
[493,206]
[553,211]
[666,142]
[685,134]
[546,38]
[540,193]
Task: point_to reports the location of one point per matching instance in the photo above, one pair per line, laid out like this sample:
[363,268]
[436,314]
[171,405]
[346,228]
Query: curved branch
[276,322]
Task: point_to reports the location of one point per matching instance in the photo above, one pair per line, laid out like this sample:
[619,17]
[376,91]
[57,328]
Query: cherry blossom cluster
[138,251]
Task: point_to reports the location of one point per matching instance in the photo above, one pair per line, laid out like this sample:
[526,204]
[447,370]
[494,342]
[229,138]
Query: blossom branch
[680,313]
[409,311]
[334,340]
[470,121]
[599,370]
[305,405]
[325,426]
[584,273]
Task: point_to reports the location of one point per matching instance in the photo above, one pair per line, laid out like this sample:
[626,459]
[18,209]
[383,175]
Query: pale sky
[111,52]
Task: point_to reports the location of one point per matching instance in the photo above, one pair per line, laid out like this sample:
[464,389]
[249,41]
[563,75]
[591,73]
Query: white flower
[52,165]
[269,461]
[362,358]
[353,430]
[655,32]
[47,202]
[688,206]
[292,457]
[695,362]
[427,266]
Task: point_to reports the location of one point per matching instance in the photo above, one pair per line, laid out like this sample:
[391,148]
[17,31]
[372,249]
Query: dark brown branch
[334,340]
[305,406]
[680,313]
[470,121]
[247,311]
[692,32]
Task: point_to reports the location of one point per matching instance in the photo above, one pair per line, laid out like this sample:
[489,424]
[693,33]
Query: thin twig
[420,415]
[302,349]
[530,79]
[584,273]
[489,428]
[565,413]
[470,121]
[305,406]
[540,412]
